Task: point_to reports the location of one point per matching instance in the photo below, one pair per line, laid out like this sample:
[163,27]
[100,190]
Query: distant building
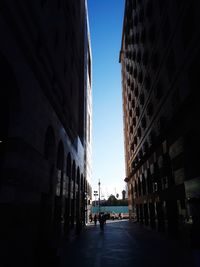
[160,60]
[45,133]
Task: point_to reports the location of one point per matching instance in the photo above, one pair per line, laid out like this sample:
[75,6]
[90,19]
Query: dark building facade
[44,190]
[160,55]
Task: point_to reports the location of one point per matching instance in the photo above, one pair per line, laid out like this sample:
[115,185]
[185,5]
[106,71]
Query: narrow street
[122,243]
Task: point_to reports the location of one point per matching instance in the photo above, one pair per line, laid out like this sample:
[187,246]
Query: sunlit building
[45,133]
[88,117]
[160,60]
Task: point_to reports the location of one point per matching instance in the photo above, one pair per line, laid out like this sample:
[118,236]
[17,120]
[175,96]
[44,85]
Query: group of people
[101,218]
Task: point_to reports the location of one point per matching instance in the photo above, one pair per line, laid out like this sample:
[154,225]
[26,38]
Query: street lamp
[99,194]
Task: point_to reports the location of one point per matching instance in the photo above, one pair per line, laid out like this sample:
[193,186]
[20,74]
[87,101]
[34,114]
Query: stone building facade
[160,55]
[44,189]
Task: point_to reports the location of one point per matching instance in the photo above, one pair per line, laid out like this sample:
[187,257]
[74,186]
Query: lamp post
[95,194]
[99,194]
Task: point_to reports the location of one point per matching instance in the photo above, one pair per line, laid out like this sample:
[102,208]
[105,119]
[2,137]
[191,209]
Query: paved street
[126,244]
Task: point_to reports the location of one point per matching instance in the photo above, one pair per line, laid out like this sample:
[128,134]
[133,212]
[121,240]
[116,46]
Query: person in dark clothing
[101,221]
[95,219]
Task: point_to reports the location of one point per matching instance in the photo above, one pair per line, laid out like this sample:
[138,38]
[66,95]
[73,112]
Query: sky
[108,163]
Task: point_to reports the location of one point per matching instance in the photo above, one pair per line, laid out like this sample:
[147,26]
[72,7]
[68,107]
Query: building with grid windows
[160,65]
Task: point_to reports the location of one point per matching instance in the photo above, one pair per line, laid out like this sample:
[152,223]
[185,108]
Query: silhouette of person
[101,221]
[95,219]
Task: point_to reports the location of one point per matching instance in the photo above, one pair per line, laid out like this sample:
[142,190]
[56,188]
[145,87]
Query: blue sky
[105,19]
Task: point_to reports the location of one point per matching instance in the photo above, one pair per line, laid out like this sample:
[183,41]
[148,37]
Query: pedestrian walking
[101,221]
[104,218]
[90,217]
[95,219]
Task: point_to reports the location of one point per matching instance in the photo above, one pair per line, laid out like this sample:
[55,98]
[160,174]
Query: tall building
[160,60]
[88,115]
[45,133]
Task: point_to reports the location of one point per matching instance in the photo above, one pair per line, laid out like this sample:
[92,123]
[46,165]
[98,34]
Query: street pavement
[125,244]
